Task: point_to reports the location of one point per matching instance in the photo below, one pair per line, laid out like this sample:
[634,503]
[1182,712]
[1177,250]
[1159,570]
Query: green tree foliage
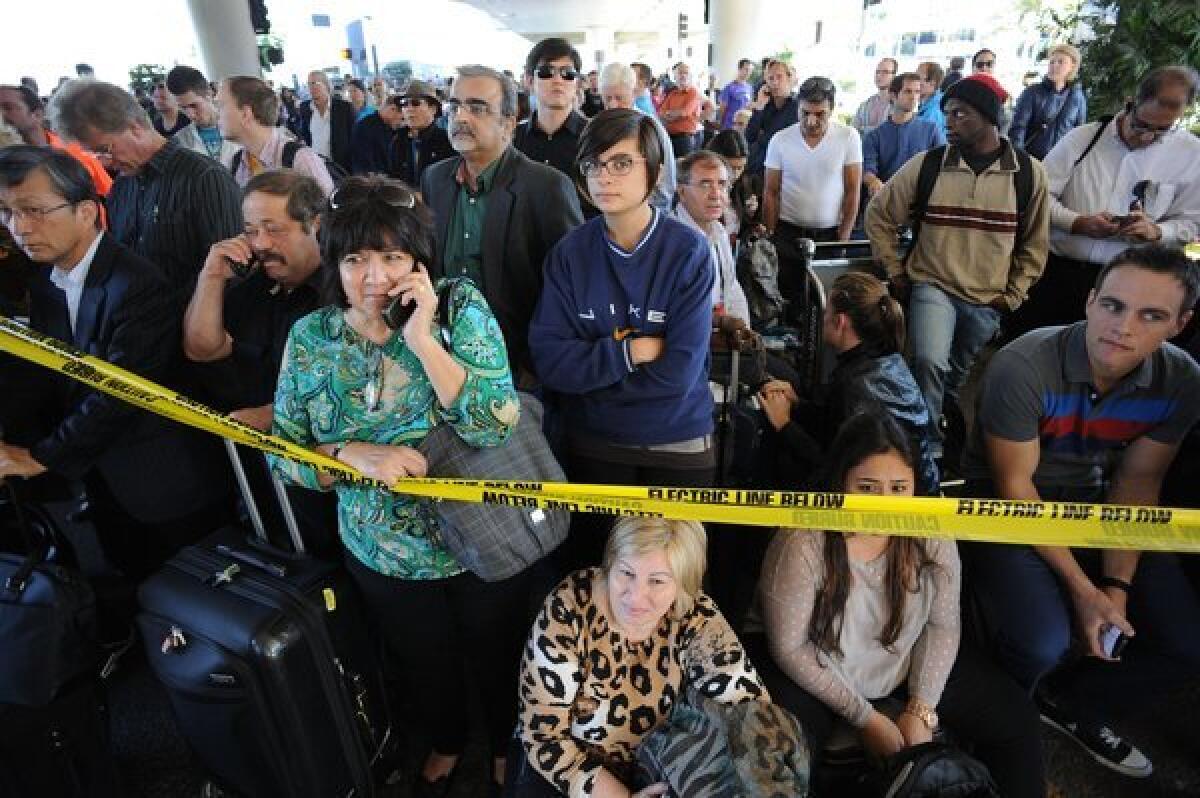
[144,76]
[1122,40]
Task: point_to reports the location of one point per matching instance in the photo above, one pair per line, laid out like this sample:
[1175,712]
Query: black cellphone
[244,269]
[398,312]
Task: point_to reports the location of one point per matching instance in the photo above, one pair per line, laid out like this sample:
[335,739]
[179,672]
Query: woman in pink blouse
[852,619]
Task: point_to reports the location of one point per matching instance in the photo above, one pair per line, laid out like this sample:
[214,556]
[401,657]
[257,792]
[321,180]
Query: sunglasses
[1145,130]
[984,64]
[545,72]
[357,192]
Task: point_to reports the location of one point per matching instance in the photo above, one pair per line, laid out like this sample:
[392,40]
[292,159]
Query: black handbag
[495,541]
[48,618]
[937,770]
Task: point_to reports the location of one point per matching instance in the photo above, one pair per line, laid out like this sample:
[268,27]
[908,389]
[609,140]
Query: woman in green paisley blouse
[367,395]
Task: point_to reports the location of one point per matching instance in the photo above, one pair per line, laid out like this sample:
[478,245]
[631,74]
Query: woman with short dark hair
[622,327]
[363,393]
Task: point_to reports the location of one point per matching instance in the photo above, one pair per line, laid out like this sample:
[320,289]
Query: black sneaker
[1098,740]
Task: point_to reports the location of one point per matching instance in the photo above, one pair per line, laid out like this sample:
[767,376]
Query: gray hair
[82,104]
[323,78]
[617,75]
[508,89]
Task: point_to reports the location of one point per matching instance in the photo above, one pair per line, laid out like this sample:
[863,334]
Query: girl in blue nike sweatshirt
[622,327]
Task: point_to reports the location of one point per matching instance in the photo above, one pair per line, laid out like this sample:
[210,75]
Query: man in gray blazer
[497,212]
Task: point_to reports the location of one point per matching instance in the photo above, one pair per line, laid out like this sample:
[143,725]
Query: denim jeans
[1029,621]
[945,335]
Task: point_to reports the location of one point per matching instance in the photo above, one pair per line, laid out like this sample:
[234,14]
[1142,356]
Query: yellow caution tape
[987,520]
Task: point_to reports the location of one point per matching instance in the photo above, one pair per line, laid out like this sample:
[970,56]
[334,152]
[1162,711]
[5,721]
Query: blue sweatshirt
[593,290]
[888,147]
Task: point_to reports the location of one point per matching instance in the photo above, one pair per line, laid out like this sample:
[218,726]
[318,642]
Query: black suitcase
[268,665]
[54,731]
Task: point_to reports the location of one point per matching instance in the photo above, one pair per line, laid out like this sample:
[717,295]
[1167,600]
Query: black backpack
[290,148]
[936,770]
[931,167]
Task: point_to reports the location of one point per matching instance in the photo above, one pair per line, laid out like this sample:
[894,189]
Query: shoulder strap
[290,148]
[237,162]
[445,295]
[1104,122]
[931,165]
[1023,183]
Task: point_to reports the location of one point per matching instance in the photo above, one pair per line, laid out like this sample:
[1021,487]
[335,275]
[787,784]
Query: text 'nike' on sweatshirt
[597,297]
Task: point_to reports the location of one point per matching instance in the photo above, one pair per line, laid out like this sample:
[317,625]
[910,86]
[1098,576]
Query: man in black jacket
[497,212]
[150,482]
[327,121]
[420,143]
[168,204]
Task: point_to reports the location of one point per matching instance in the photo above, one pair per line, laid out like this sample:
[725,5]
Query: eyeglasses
[545,72]
[34,215]
[1141,128]
[355,192]
[984,64]
[411,102]
[472,107]
[709,184]
[617,166]
[103,152]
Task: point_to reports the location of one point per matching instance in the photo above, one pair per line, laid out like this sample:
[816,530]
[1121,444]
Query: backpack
[290,148]
[936,770]
[931,167]
[758,273]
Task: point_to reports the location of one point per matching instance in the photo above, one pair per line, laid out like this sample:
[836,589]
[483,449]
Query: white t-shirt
[812,186]
[319,127]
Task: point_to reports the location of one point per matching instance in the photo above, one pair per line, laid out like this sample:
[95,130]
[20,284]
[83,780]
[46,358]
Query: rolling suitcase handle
[260,531]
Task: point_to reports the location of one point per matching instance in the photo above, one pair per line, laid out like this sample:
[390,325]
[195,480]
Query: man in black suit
[151,483]
[327,121]
[497,212]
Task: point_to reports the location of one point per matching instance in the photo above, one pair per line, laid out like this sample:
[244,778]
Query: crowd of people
[241,245]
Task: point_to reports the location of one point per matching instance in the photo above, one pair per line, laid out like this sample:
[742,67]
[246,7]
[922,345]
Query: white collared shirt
[727,291]
[1104,181]
[71,280]
[320,127]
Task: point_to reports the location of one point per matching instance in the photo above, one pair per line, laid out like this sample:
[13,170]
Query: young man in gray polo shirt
[1091,412]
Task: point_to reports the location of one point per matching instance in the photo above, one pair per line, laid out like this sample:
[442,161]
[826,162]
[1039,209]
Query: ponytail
[876,317]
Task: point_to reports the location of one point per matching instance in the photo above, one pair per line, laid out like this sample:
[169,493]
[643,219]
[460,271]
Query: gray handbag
[495,541]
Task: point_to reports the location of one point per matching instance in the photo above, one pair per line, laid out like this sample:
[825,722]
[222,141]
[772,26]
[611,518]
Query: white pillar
[226,36]
[735,28]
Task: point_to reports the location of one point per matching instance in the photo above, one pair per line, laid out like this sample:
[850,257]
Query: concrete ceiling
[571,19]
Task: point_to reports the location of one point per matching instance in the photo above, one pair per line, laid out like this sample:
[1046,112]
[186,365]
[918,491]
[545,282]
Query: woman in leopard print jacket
[612,650]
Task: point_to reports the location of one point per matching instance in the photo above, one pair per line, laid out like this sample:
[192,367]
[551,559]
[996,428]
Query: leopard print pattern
[589,696]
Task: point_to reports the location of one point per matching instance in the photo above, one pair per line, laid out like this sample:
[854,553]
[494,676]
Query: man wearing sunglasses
[421,142]
[551,134]
[497,212]
[1129,179]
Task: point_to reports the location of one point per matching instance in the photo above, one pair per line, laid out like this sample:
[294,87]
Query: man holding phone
[1091,412]
[1094,210]
[252,288]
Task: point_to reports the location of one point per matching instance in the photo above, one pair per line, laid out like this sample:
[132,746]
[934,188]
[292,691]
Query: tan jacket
[969,244]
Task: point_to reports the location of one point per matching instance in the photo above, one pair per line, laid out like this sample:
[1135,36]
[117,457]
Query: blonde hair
[1070,51]
[684,542]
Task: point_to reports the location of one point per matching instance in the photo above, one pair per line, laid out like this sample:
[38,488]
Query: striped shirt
[177,206]
[1040,387]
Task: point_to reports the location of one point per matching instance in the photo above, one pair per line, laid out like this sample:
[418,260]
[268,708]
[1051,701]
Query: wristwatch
[923,712]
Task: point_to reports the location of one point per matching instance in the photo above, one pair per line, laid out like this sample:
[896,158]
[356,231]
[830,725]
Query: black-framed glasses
[984,64]
[354,192]
[472,107]
[546,71]
[617,166]
[1146,130]
[35,215]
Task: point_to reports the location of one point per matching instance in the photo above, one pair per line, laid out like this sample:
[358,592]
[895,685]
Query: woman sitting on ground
[864,326]
[611,652]
[853,618]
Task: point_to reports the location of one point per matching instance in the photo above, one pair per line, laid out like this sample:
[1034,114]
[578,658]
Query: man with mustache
[237,326]
[497,212]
